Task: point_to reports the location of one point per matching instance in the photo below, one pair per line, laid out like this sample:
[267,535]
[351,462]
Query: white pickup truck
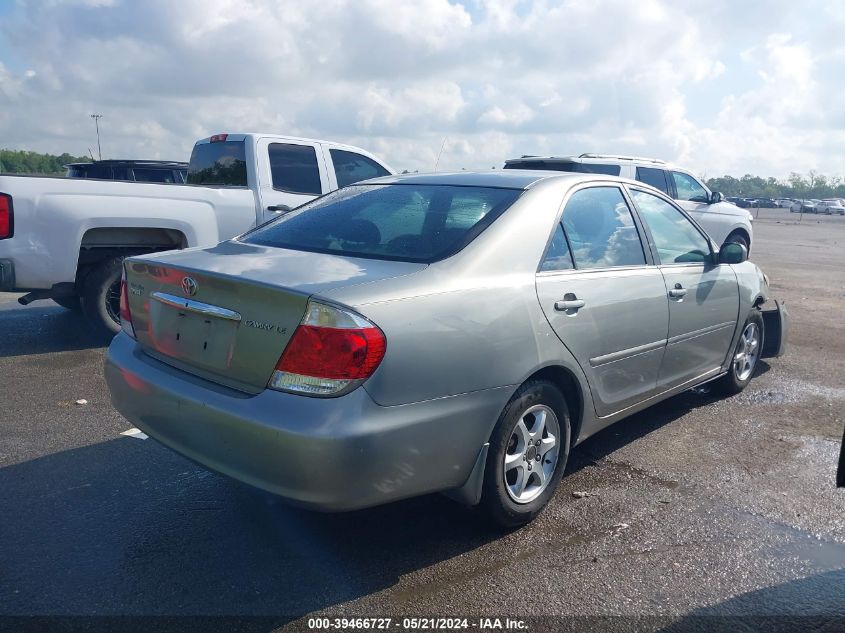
[65,238]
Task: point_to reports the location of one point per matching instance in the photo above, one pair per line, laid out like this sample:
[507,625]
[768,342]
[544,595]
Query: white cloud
[717,85]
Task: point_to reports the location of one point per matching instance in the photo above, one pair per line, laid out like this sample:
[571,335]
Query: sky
[718,86]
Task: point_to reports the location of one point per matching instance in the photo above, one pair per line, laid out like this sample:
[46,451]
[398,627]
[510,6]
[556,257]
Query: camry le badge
[189,286]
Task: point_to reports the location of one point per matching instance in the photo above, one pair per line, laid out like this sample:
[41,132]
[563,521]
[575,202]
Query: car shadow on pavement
[128,528]
[45,328]
[640,424]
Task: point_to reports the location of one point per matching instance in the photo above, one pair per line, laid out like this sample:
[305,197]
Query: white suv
[724,221]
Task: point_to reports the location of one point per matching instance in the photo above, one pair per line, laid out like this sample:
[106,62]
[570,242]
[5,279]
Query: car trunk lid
[226,313]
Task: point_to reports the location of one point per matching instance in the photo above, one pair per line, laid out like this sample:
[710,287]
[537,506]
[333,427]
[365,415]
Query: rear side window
[294,169]
[601,230]
[350,167]
[76,172]
[221,163]
[414,223]
[654,177]
[557,256]
[570,166]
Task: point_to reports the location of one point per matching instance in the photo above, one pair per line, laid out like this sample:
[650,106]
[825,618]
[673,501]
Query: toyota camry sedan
[447,332]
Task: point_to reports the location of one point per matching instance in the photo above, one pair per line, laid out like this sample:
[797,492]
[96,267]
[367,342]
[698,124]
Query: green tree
[23,162]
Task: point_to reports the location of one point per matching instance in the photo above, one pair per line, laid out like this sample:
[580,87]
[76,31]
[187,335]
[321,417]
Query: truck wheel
[101,296]
[69,303]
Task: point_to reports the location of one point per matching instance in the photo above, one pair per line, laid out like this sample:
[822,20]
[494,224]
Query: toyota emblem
[189,286]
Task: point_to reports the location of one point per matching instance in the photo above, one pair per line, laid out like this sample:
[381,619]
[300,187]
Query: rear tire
[101,296]
[70,302]
[529,444]
[745,356]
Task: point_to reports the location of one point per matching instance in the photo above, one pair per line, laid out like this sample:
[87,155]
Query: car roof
[601,159]
[505,178]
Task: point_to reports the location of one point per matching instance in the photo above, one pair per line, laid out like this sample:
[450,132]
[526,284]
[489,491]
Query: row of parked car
[828,206]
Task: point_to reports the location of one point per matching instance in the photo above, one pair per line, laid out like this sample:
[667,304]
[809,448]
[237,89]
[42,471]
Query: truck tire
[101,296]
[70,302]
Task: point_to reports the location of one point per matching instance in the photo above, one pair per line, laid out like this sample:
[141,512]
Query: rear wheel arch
[100,263]
[101,244]
[572,390]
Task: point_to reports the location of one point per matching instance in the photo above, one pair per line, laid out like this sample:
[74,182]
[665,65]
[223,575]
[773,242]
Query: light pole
[97,118]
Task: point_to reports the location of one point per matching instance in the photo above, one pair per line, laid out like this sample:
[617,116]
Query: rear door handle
[677,292]
[279,208]
[569,304]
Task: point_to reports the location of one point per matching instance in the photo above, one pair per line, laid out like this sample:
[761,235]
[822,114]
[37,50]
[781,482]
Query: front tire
[528,452]
[746,354]
[101,296]
[738,238]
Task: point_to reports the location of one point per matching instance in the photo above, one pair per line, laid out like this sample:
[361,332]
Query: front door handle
[677,292]
[279,208]
[569,302]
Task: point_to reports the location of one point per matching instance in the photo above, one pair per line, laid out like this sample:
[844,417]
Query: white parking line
[138,434]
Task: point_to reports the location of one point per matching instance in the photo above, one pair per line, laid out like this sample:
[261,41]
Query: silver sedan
[446,332]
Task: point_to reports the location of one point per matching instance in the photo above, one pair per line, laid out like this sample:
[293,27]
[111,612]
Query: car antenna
[440,153]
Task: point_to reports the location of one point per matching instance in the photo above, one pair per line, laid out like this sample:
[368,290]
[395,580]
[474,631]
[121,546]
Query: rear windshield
[560,165]
[404,222]
[221,163]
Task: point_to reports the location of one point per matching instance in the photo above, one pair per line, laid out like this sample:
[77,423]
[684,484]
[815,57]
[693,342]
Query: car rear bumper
[324,453]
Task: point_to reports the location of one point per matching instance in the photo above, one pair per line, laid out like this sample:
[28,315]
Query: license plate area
[186,334]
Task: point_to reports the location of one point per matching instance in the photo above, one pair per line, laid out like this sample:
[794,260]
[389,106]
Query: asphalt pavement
[695,507]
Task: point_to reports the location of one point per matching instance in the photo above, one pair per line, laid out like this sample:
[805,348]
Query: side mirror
[732,253]
[716,197]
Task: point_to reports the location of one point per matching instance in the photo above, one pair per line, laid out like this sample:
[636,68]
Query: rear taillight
[219,138]
[7,218]
[125,314]
[331,352]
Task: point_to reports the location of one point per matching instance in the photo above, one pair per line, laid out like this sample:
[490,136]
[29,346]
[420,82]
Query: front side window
[403,222]
[350,167]
[557,255]
[676,239]
[689,188]
[601,229]
[654,177]
[294,169]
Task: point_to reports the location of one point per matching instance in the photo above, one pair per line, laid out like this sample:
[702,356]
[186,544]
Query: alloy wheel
[531,455]
[747,352]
